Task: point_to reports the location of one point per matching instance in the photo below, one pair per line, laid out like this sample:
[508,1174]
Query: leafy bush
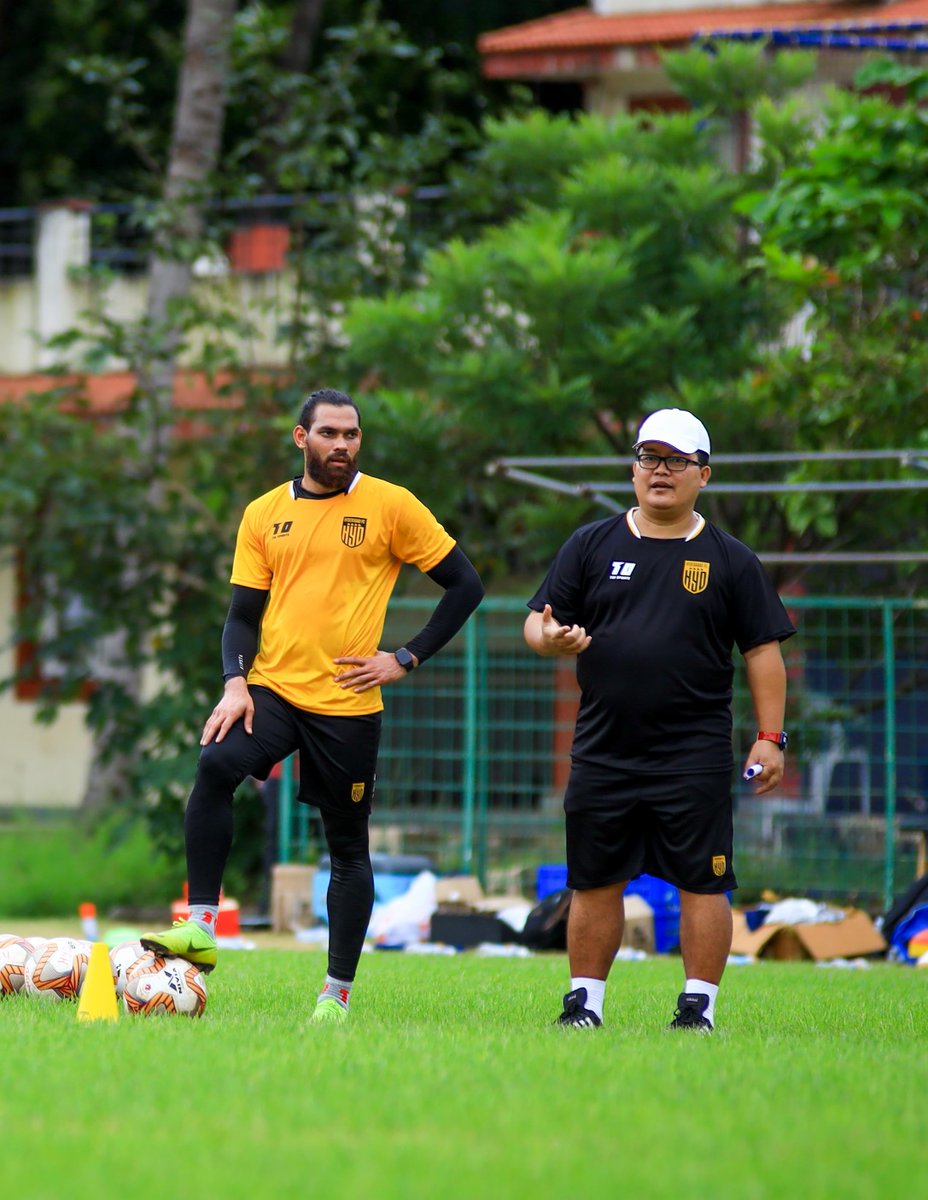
[50,867]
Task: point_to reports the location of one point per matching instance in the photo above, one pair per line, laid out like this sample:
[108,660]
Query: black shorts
[338,755]
[677,827]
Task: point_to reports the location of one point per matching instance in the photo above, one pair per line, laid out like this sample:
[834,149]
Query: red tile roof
[583,29]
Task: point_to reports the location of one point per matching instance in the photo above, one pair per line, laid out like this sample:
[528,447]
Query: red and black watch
[781,737]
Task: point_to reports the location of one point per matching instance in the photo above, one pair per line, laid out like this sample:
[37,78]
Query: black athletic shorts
[338,755]
[677,827]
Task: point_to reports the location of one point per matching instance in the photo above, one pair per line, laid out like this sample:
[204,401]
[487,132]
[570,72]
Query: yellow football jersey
[330,566]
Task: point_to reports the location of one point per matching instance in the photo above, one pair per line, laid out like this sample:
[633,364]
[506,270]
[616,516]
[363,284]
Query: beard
[334,472]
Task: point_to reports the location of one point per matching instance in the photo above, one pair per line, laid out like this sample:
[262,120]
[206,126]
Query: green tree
[87,90]
[127,555]
[783,302]
[844,229]
[621,281]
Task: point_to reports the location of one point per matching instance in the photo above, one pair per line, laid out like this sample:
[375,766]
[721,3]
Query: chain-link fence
[476,748]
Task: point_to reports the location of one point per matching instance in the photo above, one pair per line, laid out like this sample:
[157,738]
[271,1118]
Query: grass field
[450,1081]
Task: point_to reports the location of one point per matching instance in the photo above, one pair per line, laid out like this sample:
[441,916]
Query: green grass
[450,1081]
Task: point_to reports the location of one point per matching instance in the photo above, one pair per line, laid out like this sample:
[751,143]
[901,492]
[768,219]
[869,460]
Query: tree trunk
[307,16]
[194,155]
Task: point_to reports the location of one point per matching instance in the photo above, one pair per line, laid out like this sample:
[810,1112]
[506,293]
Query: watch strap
[404,658]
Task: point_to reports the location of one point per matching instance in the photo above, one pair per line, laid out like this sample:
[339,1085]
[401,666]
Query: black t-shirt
[664,615]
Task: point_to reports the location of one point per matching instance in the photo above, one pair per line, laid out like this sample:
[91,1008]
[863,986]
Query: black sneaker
[576,1013]
[691,1013]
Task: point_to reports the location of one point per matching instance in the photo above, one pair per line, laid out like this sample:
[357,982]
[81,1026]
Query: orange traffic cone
[98,992]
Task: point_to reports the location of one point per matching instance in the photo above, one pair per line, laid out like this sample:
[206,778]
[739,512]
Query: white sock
[595,993]
[336,989]
[702,988]
[205,915]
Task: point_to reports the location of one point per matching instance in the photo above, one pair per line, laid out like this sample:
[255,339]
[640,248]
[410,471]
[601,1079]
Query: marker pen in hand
[752,772]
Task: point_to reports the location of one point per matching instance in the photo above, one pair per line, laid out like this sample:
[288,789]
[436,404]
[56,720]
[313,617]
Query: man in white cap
[652,603]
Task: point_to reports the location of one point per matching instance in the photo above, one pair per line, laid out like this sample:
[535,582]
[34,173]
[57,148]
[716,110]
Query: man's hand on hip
[365,673]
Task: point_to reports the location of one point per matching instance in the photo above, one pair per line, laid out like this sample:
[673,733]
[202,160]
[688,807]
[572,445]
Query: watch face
[404,658]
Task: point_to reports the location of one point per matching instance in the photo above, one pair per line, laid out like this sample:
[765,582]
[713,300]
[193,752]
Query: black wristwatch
[781,737]
[404,658]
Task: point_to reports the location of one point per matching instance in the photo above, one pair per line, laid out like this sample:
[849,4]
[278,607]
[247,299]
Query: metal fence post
[483,761]
[470,743]
[889,752]
[285,810]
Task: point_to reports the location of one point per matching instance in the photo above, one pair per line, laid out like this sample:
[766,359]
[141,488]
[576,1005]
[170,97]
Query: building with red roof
[611,48]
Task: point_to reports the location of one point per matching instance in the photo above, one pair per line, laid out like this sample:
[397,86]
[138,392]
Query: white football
[169,986]
[7,938]
[55,971]
[13,955]
[123,958]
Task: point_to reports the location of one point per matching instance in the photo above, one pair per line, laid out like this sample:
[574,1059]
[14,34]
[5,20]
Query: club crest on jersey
[357,792]
[695,576]
[353,530]
[718,864]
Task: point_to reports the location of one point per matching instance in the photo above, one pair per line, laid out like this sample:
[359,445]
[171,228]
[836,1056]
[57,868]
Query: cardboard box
[458,889]
[291,896]
[850,938]
[497,904]
[639,925]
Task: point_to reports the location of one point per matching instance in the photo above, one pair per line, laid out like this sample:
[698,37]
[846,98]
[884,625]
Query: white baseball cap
[674,427]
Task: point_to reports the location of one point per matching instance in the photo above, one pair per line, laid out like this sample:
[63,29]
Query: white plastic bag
[406,918]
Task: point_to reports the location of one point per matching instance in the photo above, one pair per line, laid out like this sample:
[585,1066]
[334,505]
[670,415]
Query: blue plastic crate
[551,877]
[666,932]
[663,898]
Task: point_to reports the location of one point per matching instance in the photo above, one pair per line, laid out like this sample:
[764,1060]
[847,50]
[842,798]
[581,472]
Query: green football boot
[185,939]
[329,1012]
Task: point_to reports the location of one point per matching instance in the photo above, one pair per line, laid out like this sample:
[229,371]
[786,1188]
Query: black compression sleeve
[240,632]
[463,592]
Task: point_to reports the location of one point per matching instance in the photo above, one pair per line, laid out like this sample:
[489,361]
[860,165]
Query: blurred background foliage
[573,273]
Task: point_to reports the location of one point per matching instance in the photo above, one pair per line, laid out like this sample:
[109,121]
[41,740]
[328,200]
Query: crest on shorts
[695,576]
[353,530]
[357,794]
[718,864]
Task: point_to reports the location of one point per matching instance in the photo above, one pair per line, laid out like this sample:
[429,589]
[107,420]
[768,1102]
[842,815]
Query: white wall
[41,766]
[58,295]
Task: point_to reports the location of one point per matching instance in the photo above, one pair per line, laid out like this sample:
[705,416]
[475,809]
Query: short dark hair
[702,458]
[325,396]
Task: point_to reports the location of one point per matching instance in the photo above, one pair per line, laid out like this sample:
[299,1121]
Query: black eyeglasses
[673,462]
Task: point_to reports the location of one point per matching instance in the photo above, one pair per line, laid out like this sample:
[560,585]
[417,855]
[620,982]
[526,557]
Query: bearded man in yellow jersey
[316,560]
